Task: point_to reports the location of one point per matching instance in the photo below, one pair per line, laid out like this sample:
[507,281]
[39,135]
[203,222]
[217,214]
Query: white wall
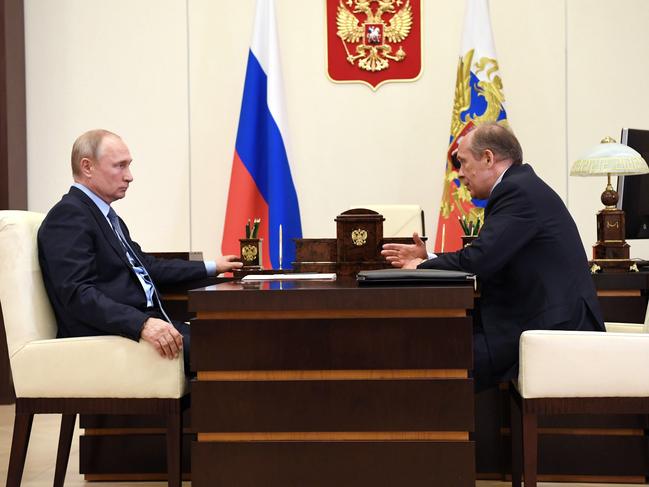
[119,65]
[168,76]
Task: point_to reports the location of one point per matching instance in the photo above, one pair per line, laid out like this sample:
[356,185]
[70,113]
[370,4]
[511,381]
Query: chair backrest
[400,220]
[26,309]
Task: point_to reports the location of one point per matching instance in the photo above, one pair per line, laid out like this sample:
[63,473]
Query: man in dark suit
[99,281]
[528,257]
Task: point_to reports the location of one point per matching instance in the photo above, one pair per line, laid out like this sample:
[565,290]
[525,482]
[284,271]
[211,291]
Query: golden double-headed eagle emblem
[359,237]
[374,38]
[249,253]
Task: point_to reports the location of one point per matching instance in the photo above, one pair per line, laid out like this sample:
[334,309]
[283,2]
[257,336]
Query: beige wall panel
[530,43]
[120,65]
[219,39]
[607,47]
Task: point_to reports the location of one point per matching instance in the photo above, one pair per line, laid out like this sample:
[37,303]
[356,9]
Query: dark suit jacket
[88,278]
[531,266]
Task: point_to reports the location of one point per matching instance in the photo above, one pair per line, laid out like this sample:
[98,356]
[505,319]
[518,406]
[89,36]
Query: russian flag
[261,185]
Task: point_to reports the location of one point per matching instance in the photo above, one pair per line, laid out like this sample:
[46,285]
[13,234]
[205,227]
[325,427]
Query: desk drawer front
[339,344]
[340,464]
[350,405]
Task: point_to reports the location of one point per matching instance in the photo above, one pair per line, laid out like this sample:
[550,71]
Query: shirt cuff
[210,267]
[432,256]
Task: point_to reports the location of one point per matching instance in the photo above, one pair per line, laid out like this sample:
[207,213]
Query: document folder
[412,276]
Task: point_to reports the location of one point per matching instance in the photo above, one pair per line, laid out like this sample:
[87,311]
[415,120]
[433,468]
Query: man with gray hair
[98,279]
[529,258]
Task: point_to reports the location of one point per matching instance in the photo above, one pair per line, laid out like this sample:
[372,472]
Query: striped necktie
[136,263]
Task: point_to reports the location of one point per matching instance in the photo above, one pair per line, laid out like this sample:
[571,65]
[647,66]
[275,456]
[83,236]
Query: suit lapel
[103,225]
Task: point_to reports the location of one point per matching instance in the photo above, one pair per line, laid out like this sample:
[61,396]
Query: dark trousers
[183,328]
[483,375]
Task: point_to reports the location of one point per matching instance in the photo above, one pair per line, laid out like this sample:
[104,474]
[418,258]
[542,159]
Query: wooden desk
[325,383]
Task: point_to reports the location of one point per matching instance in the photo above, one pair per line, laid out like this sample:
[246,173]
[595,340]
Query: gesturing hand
[405,255]
[163,336]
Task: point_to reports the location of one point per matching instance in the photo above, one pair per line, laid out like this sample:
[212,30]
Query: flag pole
[280,246]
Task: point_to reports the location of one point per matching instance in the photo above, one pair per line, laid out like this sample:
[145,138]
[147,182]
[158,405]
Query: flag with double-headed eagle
[478,98]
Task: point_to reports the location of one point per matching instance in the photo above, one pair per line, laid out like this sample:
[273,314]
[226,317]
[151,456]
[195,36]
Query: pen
[463,224]
[248,229]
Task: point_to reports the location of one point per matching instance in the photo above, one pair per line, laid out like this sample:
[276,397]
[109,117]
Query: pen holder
[251,252]
[468,240]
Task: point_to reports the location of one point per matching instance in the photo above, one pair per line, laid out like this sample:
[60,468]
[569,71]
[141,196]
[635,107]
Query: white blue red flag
[478,98]
[261,185]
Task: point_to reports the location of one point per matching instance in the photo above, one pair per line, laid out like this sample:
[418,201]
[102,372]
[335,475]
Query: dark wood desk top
[341,295]
[621,280]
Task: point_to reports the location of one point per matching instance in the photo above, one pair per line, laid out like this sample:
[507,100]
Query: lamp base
[610,228]
[610,253]
[614,250]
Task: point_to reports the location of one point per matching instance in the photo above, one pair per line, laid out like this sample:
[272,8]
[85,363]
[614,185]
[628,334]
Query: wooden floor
[41,456]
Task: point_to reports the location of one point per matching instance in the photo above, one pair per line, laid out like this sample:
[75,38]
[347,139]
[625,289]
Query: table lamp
[611,252]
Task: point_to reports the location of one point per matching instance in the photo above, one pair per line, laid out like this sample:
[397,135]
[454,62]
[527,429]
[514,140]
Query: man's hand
[407,256]
[227,263]
[163,336]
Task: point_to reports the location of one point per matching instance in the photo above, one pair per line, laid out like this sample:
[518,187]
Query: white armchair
[70,376]
[572,372]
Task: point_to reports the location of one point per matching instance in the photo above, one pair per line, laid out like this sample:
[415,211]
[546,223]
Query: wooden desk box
[359,235]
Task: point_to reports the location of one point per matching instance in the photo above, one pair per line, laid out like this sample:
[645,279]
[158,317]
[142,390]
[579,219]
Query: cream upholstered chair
[70,376]
[572,372]
[618,327]
[400,220]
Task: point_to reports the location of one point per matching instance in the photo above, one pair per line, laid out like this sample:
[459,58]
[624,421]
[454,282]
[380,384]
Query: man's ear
[85,166]
[489,157]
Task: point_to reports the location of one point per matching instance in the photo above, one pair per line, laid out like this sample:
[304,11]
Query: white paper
[312,276]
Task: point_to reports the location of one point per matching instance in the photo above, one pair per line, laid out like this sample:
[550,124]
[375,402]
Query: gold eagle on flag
[373,53]
[456,199]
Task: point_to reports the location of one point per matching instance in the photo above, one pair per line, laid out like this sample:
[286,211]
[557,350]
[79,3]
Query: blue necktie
[136,263]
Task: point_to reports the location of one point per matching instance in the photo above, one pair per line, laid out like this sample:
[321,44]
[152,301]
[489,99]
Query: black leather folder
[412,277]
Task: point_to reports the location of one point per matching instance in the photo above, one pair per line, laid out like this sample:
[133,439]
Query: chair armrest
[102,366]
[619,327]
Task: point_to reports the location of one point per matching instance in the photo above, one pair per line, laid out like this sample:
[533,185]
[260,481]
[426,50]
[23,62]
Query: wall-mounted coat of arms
[373,41]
